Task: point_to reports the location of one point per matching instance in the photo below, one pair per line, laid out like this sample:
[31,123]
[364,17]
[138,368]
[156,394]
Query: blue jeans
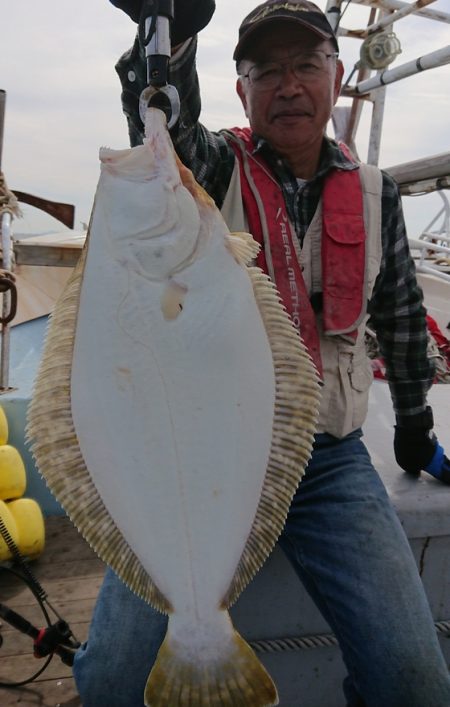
[348,548]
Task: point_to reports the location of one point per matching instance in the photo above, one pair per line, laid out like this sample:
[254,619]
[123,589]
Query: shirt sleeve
[397,312]
[206,153]
[132,71]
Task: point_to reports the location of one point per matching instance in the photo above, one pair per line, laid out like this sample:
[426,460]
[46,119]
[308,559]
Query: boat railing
[433,258]
[442,235]
[372,72]
[434,237]
[432,247]
[426,174]
[42,251]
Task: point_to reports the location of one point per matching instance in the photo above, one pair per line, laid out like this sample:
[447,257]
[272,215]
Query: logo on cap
[291,7]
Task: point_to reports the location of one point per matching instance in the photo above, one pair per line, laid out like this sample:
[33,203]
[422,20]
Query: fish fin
[242,247]
[295,416]
[237,680]
[55,448]
[172,300]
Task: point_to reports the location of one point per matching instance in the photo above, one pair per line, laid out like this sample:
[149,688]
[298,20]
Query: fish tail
[237,679]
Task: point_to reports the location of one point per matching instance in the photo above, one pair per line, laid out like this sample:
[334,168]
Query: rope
[323,640]
[442,627]
[8,200]
[296,643]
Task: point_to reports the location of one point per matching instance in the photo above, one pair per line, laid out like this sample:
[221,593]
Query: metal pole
[333,13]
[5,229]
[426,186]
[398,5]
[357,103]
[2,120]
[398,15]
[423,63]
[376,127]
[5,343]
[379,100]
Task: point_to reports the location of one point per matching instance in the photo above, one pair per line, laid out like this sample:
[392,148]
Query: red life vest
[343,245]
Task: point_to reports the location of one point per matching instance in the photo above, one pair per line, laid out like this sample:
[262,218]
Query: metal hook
[165,98]
[8,285]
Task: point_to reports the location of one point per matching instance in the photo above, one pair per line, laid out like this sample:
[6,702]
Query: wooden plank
[17,643]
[20,667]
[54,570]
[57,693]
[38,288]
[56,256]
[69,568]
[71,611]
[71,575]
[62,537]
[69,589]
[424,168]
[59,210]
[65,540]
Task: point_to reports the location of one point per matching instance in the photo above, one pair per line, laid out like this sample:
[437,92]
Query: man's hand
[417,449]
[131,7]
[190,16]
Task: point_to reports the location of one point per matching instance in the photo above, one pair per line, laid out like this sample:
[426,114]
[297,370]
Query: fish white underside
[182,412]
[174,413]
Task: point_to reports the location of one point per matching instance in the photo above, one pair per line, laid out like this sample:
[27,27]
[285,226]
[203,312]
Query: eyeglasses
[306,67]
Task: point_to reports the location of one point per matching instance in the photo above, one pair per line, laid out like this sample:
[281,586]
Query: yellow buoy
[8,521]
[3,427]
[13,479]
[30,526]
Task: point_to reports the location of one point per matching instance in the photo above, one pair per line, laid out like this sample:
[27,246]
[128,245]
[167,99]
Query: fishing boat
[274,614]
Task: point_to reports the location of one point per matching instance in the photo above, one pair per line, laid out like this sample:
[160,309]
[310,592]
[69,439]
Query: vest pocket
[348,232]
[348,375]
[361,377]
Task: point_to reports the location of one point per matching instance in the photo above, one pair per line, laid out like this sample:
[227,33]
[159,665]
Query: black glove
[417,449]
[131,7]
[190,16]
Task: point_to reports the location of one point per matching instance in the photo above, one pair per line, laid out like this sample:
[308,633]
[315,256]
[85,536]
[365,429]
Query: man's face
[294,114]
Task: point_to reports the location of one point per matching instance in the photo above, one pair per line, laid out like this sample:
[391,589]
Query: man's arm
[206,153]
[398,317]
[190,16]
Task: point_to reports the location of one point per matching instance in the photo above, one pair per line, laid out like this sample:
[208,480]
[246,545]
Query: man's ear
[241,93]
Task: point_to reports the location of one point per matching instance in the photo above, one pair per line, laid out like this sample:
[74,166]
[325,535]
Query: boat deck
[71,574]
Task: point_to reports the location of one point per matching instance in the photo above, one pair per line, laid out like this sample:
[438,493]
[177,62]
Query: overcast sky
[63,96]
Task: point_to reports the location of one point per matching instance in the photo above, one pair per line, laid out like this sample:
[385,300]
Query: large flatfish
[173,414]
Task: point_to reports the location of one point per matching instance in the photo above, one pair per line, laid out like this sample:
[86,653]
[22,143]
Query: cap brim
[252,31]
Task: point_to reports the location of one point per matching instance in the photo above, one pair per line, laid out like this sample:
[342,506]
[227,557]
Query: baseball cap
[304,12]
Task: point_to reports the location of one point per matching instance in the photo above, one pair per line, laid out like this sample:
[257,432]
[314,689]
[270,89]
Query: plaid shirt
[396,310]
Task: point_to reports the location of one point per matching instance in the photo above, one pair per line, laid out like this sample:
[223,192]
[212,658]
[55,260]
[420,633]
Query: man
[341,224]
